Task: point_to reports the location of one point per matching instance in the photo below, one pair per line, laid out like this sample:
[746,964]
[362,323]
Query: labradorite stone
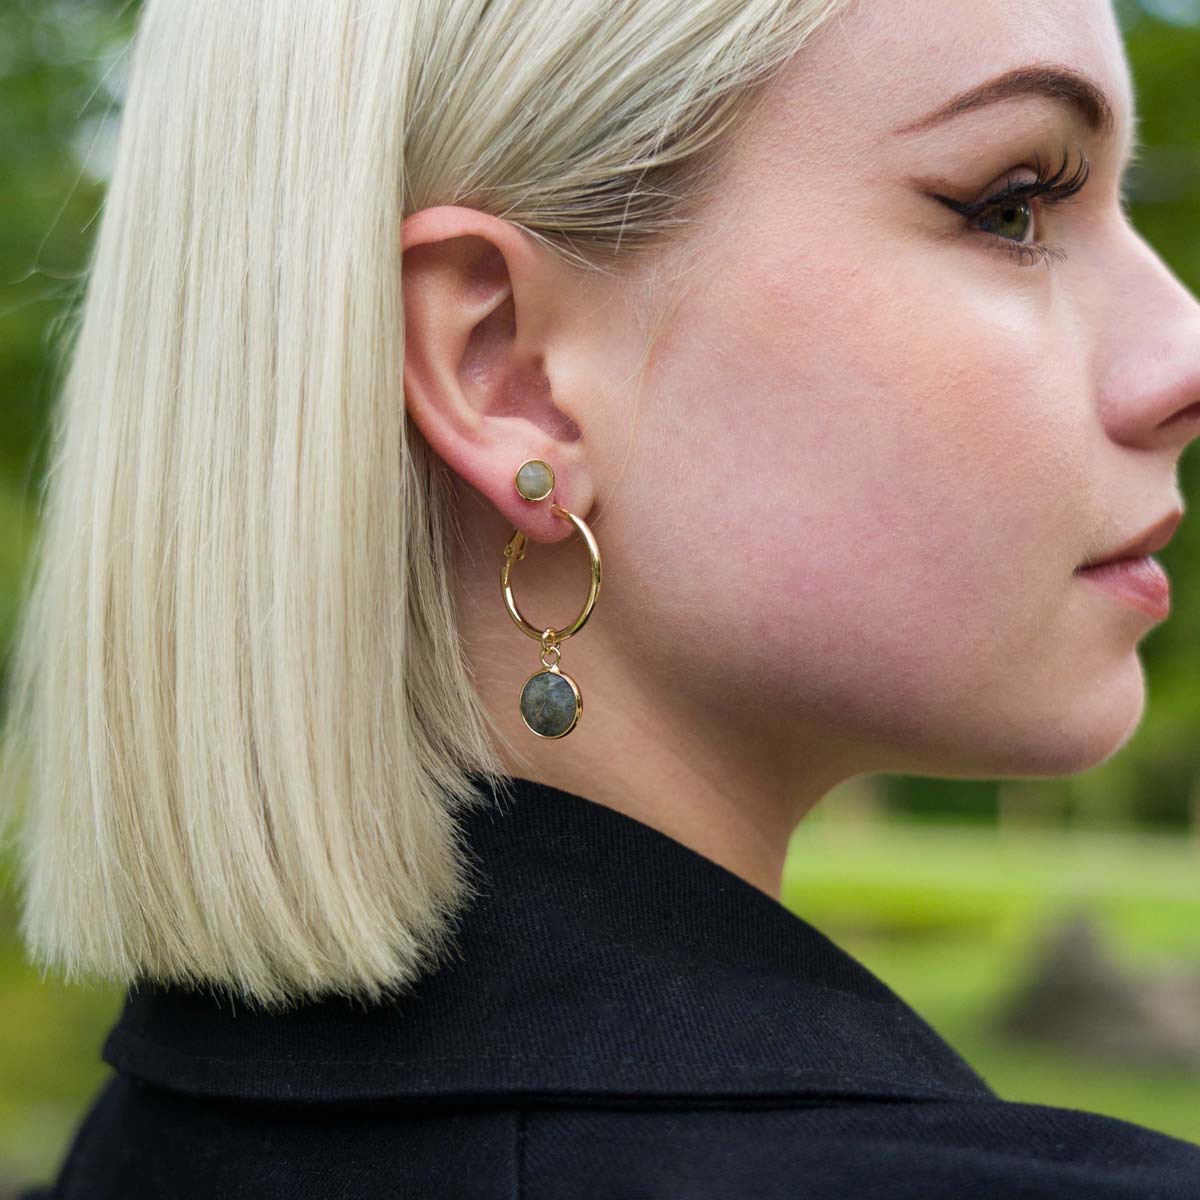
[534,480]
[548,703]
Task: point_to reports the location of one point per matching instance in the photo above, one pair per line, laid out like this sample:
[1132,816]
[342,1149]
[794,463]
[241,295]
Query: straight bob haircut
[240,722]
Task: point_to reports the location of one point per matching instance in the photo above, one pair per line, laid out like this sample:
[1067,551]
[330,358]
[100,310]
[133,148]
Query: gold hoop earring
[550,702]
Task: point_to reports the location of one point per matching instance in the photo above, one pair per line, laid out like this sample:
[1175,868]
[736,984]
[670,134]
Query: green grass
[945,915]
[49,1052]
[948,917]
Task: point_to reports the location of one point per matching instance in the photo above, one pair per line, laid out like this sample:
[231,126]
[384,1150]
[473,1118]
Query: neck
[731,789]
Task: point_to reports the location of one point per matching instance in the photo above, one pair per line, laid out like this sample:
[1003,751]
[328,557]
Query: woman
[811,351]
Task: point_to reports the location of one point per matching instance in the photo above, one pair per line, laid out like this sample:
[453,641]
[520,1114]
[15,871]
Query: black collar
[601,959]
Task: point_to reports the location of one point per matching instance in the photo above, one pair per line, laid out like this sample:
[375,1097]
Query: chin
[1041,732]
[1086,728]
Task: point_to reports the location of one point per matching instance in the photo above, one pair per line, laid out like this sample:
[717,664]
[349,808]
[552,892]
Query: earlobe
[481,323]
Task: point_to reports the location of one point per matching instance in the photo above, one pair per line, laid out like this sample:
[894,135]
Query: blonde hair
[240,722]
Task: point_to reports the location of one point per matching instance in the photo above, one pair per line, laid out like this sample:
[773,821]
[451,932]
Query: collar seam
[763,1072]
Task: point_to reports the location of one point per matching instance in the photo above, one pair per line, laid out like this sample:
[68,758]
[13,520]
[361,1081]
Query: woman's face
[875,439]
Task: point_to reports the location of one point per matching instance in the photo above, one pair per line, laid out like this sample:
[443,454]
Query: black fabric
[624,1018]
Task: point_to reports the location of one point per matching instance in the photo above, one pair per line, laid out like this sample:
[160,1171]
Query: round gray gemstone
[548,704]
[534,480]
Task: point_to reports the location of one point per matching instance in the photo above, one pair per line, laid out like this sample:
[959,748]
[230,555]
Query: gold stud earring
[550,701]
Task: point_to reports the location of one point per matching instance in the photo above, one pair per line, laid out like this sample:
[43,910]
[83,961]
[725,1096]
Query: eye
[1009,221]
[1005,216]
[1017,215]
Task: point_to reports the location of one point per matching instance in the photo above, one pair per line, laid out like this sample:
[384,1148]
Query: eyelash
[1055,188]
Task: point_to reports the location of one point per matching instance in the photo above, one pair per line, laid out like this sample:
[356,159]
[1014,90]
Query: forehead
[879,64]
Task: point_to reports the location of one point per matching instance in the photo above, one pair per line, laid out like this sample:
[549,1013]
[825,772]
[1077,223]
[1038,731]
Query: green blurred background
[958,894]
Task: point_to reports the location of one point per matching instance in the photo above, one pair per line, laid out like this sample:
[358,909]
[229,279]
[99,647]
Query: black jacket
[628,1020]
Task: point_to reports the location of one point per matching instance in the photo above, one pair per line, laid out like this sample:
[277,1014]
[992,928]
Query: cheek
[874,468]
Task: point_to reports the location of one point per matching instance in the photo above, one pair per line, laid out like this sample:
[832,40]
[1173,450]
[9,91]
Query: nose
[1150,389]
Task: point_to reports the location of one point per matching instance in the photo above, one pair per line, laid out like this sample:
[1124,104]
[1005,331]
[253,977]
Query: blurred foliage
[58,100]
[950,916]
[49,1053]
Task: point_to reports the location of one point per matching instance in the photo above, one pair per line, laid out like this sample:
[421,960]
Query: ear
[485,324]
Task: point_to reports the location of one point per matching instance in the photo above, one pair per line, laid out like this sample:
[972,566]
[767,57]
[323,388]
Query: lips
[1153,538]
[1139,581]
[1130,574]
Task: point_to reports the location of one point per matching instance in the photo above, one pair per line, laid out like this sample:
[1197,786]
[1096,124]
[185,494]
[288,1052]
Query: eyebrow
[1053,82]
